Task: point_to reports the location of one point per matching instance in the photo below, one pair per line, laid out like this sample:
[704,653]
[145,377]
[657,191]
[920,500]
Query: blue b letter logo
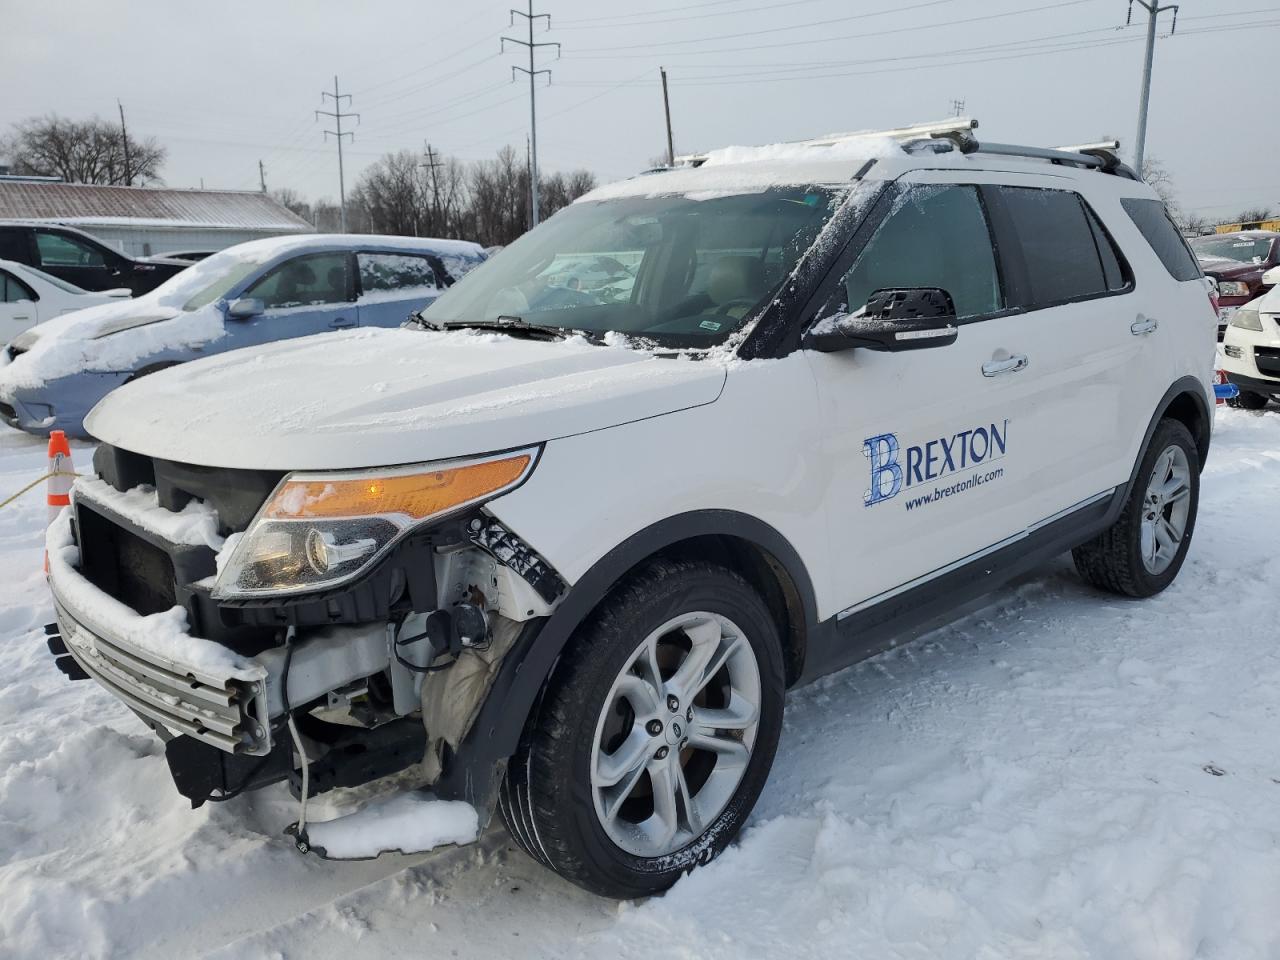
[886,472]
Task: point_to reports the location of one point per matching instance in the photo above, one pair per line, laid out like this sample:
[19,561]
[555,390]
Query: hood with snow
[378,397]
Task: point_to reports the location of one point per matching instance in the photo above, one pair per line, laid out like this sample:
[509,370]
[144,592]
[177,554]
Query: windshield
[677,269]
[1240,249]
[202,283]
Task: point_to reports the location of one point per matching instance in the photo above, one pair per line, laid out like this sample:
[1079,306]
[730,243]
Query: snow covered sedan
[562,557]
[246,295]
[29,296]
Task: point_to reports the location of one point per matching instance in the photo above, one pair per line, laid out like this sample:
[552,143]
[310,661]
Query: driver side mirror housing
[1271,277]
[245,308]
[898,318]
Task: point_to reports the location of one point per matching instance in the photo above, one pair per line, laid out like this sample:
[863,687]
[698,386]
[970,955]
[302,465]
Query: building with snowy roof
[150,221]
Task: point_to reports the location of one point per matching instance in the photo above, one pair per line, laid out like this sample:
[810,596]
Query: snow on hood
[379,397]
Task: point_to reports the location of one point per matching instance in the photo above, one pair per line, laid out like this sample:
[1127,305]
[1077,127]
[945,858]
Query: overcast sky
[227,83]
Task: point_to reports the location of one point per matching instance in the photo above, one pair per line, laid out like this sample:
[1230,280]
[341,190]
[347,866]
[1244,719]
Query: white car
[29,296]
[1251,348]
[565,557]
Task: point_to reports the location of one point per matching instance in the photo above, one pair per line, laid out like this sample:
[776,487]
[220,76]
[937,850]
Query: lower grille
[229,713]
[118,562]
[1268,360]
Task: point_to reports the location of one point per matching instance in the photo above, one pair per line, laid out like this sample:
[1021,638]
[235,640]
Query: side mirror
[245,308]
[911,318]
[1271,277]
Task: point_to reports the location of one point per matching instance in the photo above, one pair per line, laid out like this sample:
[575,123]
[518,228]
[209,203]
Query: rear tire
[645,754]
[1141,553]
[1247,400]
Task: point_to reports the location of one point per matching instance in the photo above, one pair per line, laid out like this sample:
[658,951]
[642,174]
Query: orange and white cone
[61,474]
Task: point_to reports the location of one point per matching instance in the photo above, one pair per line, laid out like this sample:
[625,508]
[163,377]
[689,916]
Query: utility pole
[262,176]
[666,107]
[434,163]
[124,138]
[530,16]
[1154,10]
[338,116]
[957,107]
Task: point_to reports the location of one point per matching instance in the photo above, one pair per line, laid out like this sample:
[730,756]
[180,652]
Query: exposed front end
[220,604]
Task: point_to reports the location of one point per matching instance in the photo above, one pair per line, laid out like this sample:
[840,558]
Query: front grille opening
[6,410]
[123,565]
[1268,360]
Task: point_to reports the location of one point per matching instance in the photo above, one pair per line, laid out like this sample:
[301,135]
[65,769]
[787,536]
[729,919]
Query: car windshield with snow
[250,294]
[557,550]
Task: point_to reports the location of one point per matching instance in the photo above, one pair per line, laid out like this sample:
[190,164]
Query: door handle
[1143,325]
[341,323]
[993,368]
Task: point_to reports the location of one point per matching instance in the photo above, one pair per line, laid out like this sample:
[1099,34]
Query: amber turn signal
[414,495]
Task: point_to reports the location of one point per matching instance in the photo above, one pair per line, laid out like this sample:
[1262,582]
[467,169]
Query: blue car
[249,294]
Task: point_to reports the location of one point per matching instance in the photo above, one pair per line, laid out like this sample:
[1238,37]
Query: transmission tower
[529,17]
[338,116]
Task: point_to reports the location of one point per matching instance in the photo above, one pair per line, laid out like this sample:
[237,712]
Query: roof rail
[957,134]
[954,127]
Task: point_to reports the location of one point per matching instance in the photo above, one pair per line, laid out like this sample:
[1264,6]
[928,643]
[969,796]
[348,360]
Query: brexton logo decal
[893,469]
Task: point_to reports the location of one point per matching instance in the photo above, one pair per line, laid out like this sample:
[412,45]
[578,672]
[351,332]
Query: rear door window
[1152,220]
[384,272]
[13,244]
[1067,253]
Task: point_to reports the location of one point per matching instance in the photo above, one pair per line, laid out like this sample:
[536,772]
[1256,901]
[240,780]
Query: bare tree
[1253,214]
[391,190]
[81,151]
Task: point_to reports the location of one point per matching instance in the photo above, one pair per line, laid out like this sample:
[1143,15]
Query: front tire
[1247,400]
[1141,553]
[655,734]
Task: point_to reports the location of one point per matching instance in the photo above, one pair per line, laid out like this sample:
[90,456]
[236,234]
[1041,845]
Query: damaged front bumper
[223,714]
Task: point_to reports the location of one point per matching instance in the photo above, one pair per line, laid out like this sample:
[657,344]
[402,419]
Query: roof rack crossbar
[1041,153]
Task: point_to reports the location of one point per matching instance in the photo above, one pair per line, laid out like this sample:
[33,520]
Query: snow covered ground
[1061,774]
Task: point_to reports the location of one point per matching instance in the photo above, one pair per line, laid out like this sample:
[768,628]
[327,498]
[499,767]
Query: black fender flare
[1187,385]
[474,773]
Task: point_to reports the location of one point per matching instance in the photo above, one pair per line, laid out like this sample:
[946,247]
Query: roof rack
[919,131]
[943,136]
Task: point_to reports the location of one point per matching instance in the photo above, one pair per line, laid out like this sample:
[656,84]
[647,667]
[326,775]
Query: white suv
[564,546]
[1251,348]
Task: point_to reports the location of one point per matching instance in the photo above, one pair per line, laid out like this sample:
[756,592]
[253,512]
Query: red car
[1237,262]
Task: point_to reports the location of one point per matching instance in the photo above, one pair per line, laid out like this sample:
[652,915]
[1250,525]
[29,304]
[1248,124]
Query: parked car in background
[29,296]
[190,256]
[1251,348]
[246,295]
[78,258]
[1237,262]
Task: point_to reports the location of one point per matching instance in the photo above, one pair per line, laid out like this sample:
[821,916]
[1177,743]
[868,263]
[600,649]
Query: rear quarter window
[1153,222]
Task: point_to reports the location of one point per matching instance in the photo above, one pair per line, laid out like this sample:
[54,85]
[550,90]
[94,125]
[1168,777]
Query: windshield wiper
[516,326]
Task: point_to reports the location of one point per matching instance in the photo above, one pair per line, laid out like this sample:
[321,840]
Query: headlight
[1246,318]
[1232,288]
[319,530]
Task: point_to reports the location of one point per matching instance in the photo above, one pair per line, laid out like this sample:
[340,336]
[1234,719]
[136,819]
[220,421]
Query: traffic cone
[1223,389]
[61,474]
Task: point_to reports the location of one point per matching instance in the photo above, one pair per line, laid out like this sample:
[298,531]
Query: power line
[533,72]
[1059,4]
[648,13]
[338,116]
[590,25]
